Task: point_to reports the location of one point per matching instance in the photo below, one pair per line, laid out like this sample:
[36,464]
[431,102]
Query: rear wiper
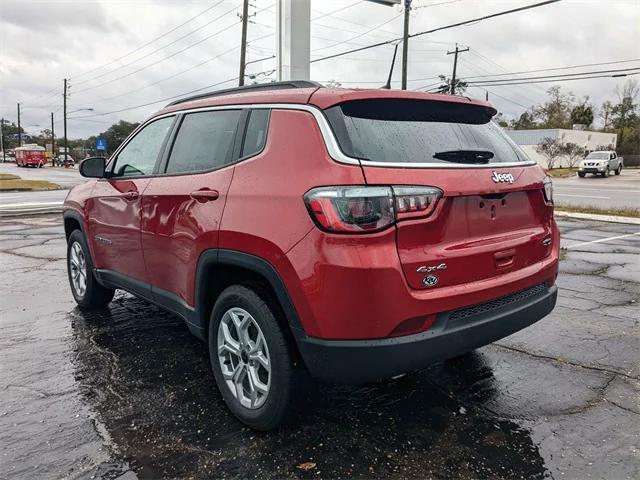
[465,156]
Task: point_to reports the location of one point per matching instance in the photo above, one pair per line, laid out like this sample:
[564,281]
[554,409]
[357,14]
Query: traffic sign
[101,144]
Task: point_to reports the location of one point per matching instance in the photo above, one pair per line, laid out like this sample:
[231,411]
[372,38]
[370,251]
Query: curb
[17,209]
[598,218]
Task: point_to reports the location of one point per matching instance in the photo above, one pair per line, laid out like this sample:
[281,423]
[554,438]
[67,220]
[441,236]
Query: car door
[113,211]
[182,206]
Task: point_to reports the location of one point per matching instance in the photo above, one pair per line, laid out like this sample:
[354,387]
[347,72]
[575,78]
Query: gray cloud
[42,42]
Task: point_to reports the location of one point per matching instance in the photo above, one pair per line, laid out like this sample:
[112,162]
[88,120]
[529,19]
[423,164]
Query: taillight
[368,209]
[548,189]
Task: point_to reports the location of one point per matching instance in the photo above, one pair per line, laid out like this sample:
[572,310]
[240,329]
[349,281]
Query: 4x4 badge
[502,177]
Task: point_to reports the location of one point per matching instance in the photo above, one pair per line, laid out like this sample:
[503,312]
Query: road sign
[101,144]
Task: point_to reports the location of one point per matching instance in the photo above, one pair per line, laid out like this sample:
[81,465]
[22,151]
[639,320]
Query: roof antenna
[387,85]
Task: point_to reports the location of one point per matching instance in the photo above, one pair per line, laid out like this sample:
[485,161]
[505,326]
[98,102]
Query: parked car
[30,155]
[601,163]
[352,235]
[59,161]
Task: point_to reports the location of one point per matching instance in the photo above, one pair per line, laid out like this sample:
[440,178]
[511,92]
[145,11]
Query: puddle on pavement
[151,386]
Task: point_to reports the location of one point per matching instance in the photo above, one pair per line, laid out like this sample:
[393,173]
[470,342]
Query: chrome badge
[502,177]
[431,268]
[430,281]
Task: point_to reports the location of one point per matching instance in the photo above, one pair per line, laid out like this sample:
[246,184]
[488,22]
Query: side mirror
[92,167]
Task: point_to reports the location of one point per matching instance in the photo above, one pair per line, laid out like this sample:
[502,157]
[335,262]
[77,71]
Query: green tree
[551,149]
[556,111]
[582,114]
[10,129]
[114,135]
[445,87]
[526,121]
[574,153]
[625,119]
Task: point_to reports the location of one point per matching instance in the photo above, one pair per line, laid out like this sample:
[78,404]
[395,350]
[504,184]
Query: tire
[619,170]
[94,295]
[267,410]
[581,174]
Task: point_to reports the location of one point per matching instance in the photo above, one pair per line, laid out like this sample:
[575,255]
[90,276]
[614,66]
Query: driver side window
[139,156]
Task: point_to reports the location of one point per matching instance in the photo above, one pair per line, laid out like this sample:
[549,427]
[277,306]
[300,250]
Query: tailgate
[479,230]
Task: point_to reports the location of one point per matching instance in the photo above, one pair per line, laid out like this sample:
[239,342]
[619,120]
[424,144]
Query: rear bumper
[359,361]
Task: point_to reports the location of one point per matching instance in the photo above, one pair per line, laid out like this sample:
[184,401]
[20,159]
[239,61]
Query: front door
[114,209]
[182,206]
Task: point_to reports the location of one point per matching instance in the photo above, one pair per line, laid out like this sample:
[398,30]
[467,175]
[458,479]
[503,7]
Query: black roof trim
[250,88]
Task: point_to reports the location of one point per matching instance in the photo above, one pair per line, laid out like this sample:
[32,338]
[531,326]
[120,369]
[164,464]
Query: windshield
[598,156]
[420,131]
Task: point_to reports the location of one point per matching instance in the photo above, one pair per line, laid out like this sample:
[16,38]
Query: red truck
[30,156]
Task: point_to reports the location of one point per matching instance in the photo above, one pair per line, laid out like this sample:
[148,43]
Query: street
[128,392]
[65,177]
[604,193]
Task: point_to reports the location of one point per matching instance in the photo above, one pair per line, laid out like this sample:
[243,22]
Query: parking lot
[128,392]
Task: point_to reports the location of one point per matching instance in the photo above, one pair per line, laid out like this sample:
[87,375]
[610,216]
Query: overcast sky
[106,49]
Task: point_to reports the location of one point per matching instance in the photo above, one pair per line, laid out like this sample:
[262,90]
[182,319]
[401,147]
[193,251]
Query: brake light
[548,189]
[368,209]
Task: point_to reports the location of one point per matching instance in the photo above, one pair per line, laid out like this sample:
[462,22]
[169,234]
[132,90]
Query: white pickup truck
[603,162]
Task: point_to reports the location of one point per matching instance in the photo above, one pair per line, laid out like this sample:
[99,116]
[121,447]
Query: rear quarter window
[421,131]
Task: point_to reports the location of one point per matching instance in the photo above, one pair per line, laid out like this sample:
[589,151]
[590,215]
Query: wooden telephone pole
[455,53]
[405,43]
[243,45]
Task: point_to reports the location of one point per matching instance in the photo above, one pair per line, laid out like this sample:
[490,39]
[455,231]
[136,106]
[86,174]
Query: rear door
[183,205]
[114,208]
[492,217]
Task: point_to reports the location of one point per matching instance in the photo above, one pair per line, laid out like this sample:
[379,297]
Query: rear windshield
[419,131]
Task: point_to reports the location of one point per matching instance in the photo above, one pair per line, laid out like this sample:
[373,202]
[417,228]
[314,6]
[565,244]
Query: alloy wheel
[244,358]
[78,269]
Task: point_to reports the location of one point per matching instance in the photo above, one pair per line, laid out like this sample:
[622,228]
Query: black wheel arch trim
[211,258]
[77,216]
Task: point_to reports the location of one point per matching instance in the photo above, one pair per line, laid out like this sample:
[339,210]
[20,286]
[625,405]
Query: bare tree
[605,113]
[551,149]
[574,153]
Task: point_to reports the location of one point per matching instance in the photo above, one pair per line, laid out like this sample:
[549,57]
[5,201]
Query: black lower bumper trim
[361,361]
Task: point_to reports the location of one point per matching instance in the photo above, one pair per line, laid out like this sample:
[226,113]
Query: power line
[165,99]
[120,67]
[177,74]
[558,80]
[148,43]
[360,34]
[453,25]
[492,82]
[556,68]
[158,61]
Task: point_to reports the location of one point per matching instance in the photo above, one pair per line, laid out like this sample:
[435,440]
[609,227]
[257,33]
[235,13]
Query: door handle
[131,195]
[205,195]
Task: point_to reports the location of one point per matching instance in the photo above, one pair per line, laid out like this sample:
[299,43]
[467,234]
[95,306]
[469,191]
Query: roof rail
[250,88]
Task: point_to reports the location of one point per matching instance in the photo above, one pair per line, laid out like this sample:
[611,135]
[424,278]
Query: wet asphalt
[128,392]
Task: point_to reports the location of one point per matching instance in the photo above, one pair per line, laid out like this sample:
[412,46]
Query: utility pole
[4,159]
[243,45]
[64,123]
[455,66]
[405,43]
[19,130]
[53,143]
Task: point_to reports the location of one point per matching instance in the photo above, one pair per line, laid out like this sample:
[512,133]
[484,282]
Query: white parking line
[580,196]
[601,240]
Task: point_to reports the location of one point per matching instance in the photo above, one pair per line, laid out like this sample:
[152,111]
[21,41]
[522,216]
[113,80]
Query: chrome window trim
[329,138]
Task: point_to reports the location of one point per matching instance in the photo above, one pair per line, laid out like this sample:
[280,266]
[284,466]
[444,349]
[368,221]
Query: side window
[256,134]
[139,156]
[204,141]
[613,156]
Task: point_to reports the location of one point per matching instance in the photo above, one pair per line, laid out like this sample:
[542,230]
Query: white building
[528,140]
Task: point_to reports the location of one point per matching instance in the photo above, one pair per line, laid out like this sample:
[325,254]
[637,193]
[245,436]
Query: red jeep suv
[351,234]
